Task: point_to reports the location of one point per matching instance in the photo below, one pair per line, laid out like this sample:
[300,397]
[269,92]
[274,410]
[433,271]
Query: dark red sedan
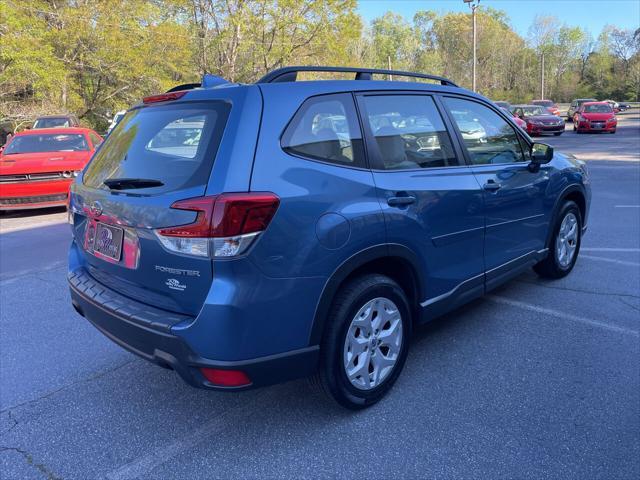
[539,120]
[595,117]
[37,166]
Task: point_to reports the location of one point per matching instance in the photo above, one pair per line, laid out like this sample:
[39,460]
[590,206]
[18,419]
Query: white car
[115,120]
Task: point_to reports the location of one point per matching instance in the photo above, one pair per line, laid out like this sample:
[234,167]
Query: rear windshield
[544,103]
[174,144]
[52,122]
[600,108]
[52,142]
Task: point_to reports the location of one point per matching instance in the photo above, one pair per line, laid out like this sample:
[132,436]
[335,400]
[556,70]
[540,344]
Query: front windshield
[533,111]
[599,108]
[57,142]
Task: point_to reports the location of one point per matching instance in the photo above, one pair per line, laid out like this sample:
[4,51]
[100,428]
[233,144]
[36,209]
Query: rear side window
[409,132]
[175,144]
[326,128]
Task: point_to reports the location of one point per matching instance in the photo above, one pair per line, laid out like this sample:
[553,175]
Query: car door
[431,201]
[515,219]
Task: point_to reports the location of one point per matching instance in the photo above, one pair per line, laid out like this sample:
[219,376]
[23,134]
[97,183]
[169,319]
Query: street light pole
[473,5]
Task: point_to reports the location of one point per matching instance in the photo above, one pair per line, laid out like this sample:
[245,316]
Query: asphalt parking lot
[538,380]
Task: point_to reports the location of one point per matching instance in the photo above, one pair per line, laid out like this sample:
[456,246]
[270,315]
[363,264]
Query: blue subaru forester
[244,235]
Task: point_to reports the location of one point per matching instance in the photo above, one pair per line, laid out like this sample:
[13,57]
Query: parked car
[595,117]
[37,166]
[624,106]
[114,121]
[521,123]
[503,104]
[549,105]
[538,119]
[272,245]
[56,121]
[575,106]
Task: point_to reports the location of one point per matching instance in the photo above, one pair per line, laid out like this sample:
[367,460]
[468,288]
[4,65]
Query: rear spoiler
[208,81]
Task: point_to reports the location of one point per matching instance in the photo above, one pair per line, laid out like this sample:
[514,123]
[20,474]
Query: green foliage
[95,57]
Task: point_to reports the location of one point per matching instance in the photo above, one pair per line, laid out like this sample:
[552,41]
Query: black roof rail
[290,74]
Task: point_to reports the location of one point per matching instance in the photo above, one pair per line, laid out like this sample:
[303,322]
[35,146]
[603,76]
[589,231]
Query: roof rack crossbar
[290,74]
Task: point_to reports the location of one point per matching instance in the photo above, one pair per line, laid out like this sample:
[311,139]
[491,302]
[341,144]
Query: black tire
[550,267]
[349,300]
[613,132]
[557,134]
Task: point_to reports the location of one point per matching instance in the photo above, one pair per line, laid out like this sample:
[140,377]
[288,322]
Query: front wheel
[366,342]
[564,245]
[557,134]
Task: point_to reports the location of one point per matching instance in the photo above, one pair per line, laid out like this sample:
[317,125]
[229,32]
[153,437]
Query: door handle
[491,186]
[400,201]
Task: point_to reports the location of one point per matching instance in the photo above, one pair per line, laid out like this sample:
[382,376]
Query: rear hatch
[158,154]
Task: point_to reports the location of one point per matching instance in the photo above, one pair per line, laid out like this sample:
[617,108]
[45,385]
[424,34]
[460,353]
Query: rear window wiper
[129,183]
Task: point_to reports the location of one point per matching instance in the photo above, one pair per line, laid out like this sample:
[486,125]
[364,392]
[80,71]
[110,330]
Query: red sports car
[37,166]
[549,105]
[595,117]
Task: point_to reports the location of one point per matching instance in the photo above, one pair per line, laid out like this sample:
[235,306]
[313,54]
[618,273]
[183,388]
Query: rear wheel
[564,245]
[366,342]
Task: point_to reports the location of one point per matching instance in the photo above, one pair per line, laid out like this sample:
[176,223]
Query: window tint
[326,128]
[487,136]
[409,132]
[175,144]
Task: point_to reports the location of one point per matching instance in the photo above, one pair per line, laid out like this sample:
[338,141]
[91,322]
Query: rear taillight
[226,225]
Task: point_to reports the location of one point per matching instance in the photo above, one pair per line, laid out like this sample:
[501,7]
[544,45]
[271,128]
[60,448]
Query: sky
[592,15]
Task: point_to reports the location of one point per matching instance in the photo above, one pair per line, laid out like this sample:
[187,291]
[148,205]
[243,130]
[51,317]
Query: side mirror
[541,153]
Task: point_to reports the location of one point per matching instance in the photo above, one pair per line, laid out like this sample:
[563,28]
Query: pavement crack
[69,385]
[41,467]
[577,290]
[630,305]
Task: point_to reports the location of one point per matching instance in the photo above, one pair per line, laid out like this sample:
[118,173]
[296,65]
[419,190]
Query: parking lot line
[604,249]
[627,206]
[611,260]
[562,315]
[159,456]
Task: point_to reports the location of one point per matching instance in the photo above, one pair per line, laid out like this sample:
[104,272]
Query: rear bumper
[146,332]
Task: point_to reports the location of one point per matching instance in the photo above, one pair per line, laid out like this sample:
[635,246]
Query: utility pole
[542,75]
[473,5]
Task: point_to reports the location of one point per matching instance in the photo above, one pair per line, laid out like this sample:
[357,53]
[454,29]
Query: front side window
[488,138]
[325,128]
[58,142]
[409,132]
